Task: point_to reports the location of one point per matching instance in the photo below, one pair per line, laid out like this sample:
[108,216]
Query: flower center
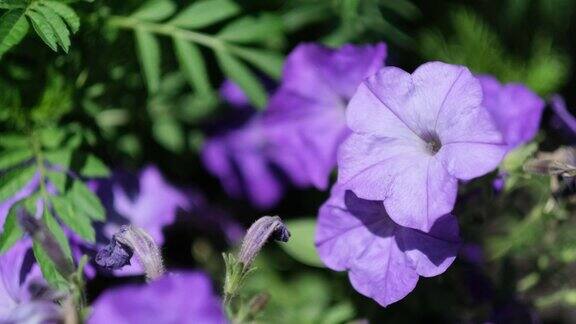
[433,144]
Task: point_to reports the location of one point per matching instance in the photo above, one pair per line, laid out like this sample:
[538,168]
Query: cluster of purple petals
[182,297]
[384,260]
[305,120]
[297,136]
[414,136]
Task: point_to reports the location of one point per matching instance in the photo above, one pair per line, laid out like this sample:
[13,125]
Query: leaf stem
[167,30]
[39,160]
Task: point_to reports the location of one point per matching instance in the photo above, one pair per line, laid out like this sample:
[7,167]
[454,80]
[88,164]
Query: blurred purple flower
[562,119]
[238,157]
[413,136]
[185,297]
[18,273]
[516,110]
[305,120]
[384,260]
[150,202]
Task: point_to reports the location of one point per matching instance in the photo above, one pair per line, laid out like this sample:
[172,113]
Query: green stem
[76,283]
[173,31]
[167,30]
[39,160]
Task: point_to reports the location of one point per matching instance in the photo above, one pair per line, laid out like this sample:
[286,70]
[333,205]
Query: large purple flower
[305,120]
[185,297]
[384,259]
[413,136]
[516,110]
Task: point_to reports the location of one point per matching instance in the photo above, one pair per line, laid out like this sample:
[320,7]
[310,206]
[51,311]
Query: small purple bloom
[413,136]
[516,110]
[384,260]
[185,297]
[305,120]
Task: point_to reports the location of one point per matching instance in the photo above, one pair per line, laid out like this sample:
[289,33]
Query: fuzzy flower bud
[258,234]
[128,241]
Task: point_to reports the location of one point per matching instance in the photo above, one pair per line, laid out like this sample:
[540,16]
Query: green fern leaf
[205,13]
[155,10]
[67,13]
[43,29]
[149,55]
[13,28]
[58,26]
[193,66]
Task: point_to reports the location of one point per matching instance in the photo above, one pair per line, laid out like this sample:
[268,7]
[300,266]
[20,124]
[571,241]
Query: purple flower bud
[258,234]
[114,256]
[132,240]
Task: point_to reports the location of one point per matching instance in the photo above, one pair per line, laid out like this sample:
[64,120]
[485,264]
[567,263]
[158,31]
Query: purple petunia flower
[515,109]
[413,136]
[384,259]
[305,120]
[185,297]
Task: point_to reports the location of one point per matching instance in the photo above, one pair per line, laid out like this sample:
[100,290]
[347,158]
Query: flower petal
[328,75]
[421,194]
[311,134]
[466,161]
[357,234]
[379,106]
[400,174]
[515,109]
[432,253]
[442,93]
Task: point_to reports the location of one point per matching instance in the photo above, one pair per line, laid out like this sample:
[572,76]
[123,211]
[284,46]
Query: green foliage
[50,153]
[357,19]
[475,44]
[53,22]
[301,244]
[11,232]
[228,44]
[13,28]
[318,300]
